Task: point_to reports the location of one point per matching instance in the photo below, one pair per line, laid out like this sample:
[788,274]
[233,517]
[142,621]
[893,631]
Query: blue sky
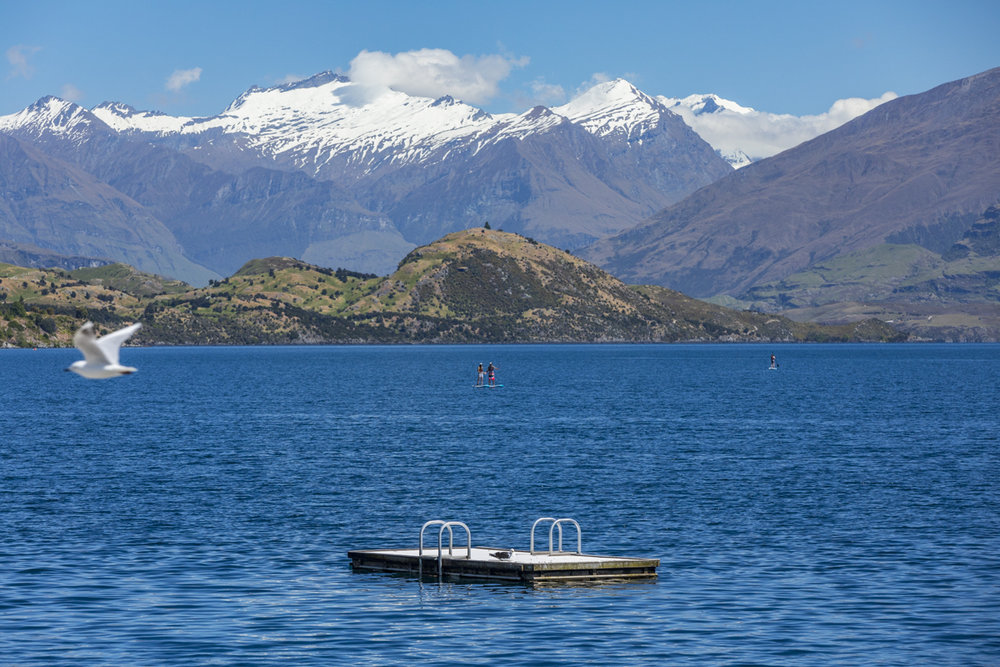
[194,58]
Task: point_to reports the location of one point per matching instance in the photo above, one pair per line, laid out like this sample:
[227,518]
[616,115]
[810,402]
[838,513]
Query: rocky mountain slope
[954,295]
[342,176]
[916,170]
[25,254]
[216,219]
[476,285]
[57,206]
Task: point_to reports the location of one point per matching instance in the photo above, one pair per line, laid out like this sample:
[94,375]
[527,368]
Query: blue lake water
[842,509]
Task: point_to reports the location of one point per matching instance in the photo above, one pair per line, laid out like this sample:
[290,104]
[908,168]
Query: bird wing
[109,345]
[85,340]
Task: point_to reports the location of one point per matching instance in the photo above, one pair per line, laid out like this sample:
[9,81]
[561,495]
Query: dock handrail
[579,535]
[451,541]
[556,523]
[433,522]
[531,544]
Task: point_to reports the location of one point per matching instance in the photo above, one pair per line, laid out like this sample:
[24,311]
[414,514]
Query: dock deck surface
[524,566]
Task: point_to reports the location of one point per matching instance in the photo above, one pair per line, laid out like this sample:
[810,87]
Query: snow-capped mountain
[696,110]
[330,127]
[705,103]
[125,120]
[743,134]
[736,158]
[400,167]
[614,107]
[51,116]
[916,171]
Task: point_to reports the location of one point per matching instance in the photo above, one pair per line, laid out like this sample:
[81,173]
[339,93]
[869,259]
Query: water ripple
[843,510]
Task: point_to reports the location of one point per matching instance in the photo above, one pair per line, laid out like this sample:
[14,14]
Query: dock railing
[556,523]
[451,543]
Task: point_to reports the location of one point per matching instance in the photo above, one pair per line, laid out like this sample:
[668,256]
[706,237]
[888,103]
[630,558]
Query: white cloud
[760,134]
[547,93]
[17,57]
[434,73]
[181,78]
[852,107]
[71,93]
[596,78]
[539,92]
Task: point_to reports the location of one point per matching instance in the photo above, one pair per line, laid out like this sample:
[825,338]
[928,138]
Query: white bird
[100,355]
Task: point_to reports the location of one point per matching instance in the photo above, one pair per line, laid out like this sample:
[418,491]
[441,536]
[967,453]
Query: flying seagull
[100,355]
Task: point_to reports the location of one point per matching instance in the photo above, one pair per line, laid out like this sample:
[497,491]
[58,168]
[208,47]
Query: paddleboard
[486,386]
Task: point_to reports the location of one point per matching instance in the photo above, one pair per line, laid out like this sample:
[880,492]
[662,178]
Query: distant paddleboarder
[491,374]
[479,375]
[774,363]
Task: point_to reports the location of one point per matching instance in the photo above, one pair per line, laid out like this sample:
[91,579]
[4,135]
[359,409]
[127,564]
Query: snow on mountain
[123,118]
[704,112]
[331,127]
[336,113]
[328,123]
[51,115]
[613,106]
[337,117]
[534,121]
[310,123]
[742,134]
[704,103]
[735,157]
[329,169]
[335,129]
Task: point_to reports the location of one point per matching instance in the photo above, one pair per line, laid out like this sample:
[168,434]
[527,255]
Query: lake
[844,508]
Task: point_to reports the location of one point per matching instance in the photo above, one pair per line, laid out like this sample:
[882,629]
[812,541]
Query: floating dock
[526,566]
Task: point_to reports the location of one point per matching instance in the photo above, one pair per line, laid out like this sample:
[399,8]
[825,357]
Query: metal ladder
[451,542]
[556,523]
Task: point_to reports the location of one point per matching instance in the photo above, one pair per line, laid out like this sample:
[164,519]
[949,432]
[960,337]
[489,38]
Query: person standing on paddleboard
[491,374]
[479,377]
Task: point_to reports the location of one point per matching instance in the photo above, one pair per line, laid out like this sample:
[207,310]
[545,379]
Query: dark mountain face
[22,254]
[564,186]
[918,169]
[222,219]
[219,219]
[56,206]
[559,186]
[262,212]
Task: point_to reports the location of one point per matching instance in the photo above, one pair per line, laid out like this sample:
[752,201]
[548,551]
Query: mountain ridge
[384,160]
[920,167]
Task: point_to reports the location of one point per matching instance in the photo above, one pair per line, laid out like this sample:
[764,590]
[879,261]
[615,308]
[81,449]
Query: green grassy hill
[476,285]
[953,295]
